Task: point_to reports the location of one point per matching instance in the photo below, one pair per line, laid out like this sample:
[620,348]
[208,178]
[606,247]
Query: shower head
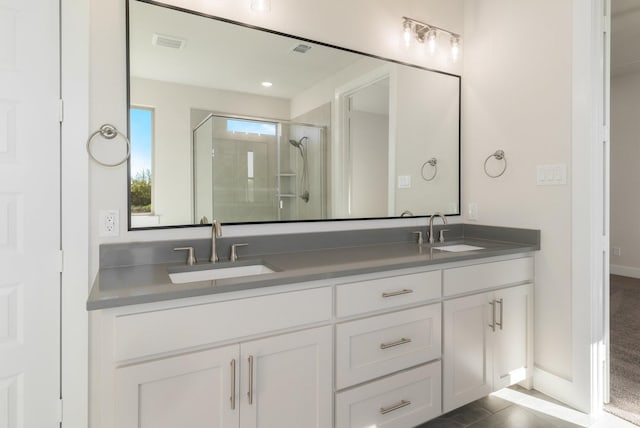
[298,143]
[294,143]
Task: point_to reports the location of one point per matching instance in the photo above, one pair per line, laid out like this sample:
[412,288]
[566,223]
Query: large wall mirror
[243,125]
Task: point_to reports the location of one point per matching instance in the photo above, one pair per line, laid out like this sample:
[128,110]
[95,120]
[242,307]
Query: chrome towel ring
[108,132]
[499,155]
[432,162]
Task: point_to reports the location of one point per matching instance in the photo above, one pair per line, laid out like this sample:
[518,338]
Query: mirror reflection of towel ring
[499,155]
[108,132]
[434,163]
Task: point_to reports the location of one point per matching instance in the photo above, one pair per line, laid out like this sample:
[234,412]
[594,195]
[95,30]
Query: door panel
[29,214]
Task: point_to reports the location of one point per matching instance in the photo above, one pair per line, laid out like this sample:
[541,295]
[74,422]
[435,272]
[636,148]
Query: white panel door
[29,214]
[196,390]
[286,381]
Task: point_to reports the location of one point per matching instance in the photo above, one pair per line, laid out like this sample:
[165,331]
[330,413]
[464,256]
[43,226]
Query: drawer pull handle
[233,384]
[397,293]
[493,315]
[400,405]
[396,343]
[500,323]
[250,393]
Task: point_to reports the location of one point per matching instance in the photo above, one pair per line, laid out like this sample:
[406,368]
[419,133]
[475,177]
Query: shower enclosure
[252,170]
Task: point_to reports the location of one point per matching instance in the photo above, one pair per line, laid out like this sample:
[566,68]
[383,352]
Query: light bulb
[431,41]
[406,33]
[261,5]
[455,48]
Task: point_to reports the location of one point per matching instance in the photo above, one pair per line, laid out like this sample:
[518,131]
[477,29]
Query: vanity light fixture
[267,84]
[406,32]
[421,31]
[261,5]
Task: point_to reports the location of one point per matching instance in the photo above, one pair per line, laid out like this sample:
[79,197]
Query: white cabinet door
[287,380]
[467,358]
[513,341]
[196,390]
[488,343]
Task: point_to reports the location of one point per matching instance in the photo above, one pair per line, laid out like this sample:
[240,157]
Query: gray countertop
[119,285]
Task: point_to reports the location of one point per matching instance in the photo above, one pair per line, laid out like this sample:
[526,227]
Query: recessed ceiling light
[267,84]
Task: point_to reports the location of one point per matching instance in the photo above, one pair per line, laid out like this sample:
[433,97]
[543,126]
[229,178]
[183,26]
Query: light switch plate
[404,181]
[551,175]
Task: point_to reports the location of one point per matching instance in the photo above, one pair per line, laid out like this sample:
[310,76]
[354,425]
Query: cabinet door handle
[250,393]
[397,293]
[396,343]
[500,323]
[493,315]
[233,384]
[400,405]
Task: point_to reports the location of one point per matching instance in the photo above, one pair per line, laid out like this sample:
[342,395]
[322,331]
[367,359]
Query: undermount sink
[458,248]
[219,273]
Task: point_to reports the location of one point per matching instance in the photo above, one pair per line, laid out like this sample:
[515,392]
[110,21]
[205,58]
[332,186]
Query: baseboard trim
[556,387]
[631,272]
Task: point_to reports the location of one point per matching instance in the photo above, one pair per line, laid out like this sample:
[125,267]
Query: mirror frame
[302,39]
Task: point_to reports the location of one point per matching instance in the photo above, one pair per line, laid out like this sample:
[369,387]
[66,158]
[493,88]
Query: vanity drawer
[487,275]
[147,333]
[385,293]
[403,400]
[377,346]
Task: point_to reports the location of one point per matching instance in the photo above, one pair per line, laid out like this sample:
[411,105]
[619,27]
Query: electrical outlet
[617,251]
[472,213]
[109,223]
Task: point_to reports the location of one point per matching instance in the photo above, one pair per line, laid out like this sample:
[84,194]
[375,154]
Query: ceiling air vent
[168,41]
[301,48]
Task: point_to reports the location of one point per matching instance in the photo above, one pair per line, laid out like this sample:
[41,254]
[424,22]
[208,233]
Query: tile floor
[516,407]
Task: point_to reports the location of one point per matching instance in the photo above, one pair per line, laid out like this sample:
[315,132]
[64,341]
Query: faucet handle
[234,251]
[441,235]
[191,258]
[420,241]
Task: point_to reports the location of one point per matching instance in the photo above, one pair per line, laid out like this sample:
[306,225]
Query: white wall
[625,174]
[517,97]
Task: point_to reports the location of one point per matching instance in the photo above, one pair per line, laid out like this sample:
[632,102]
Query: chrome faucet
[234,252]
[444,219]
[216,232]
[191,257]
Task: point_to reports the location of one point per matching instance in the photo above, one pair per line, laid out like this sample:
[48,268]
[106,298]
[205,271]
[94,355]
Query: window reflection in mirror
[141,166]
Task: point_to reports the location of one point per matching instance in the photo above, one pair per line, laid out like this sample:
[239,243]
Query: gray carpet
[625,349]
